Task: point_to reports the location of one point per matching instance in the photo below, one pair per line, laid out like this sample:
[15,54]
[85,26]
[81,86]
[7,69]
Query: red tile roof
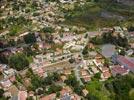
[126,61]
[49,97]
[22,95]
[12,78]
[87,78]
[118,70]
[104,69]
[106,74]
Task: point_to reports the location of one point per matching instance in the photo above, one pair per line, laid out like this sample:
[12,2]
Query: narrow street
[76,69]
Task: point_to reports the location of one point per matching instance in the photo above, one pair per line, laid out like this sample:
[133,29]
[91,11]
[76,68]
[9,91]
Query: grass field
[90,15]
[96,88]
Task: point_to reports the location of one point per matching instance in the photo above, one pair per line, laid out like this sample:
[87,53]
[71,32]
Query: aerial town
[49,50]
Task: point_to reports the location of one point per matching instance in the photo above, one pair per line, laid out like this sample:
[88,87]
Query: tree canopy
[121,87]
[30,38]
[48,30]
[18,61]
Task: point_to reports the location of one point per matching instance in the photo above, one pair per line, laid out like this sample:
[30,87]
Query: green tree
[106,62]
[1,93]
[58,94]
[30,38]
[78,90]
[3,58]
[19,78]
[97,75]
[91,97]
[29,73]
[18,61]
[36,82]
[131,28]
[97,40]
[29,98]
[54,88]
[121,86]
[48,80]
[12,43]
[48,30]
[72,81]
[28,51]
[131,94]
[56,76]
[71,60]
[85,51]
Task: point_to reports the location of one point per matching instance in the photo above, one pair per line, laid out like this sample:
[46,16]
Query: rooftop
[49,97]
[125,61]
[22,95]
[117,69]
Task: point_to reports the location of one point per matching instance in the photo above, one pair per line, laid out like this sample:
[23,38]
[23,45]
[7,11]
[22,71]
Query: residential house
[118,29]
[67,72]
[63,78]
[67,94]
[12,78]
[93,34]
[3,67]
[75,97]
[22,95]
[105,30]
[105,72]
[66,90]
[13,90]
[91,46]
[85,75]
[40,71]
[106,75]
[85,92]
[7,94]
[5,83]
[129,52]
[49,97]
[65,1]
[9,72]
[131,35]
[98,62]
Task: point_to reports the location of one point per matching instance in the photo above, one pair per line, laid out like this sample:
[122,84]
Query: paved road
[76,69]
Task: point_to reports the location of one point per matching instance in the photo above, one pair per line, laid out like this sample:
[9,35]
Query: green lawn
[97,89]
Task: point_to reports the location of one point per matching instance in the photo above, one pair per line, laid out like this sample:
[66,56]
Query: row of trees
[110,38]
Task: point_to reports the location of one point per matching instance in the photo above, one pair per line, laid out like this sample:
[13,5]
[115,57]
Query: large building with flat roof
[126,62]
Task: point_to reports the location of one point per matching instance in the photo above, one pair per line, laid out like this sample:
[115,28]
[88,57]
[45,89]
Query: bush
[30,38]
